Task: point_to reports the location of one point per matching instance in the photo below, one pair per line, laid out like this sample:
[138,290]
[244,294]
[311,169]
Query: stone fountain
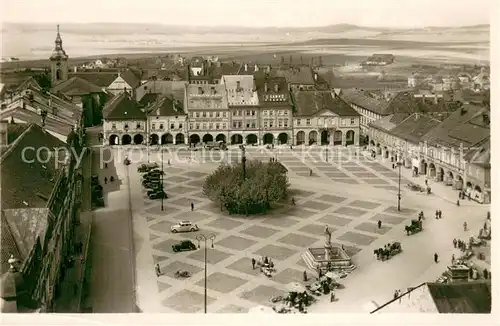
[329,255]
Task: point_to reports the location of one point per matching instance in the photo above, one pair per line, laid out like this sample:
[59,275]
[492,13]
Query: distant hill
[33,41]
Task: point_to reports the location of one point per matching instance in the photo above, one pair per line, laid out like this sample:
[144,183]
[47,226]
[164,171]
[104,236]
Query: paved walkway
[112,285]
[350,208]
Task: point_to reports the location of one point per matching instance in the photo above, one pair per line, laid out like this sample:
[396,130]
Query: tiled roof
[149,98]
[28,83]
[388,122]
[26,226]
[165,87]
[245,95]
[406,102]
[26,184]
[302,76]
[101,79]
[76,86]
[8,245]
[414,127]
[28,117]
[459,130]
[208,96]
[123,107]
[465,297]
[166,106]
[277,93]
[365,100]
[480,154]
[309,103]
[131,78]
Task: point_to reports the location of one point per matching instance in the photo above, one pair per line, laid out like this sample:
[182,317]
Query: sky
[253,13]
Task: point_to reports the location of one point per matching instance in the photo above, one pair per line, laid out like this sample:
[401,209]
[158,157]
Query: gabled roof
[26,182]
[131,78]
[277,93]
[166,106]
[389,122]
[29,83]
[308,103]
[29,117]
[460,128]
[123,107]
[365,100]
[26,226]
[76,86]
[101,79]
[406,102]
[149,98]
[206,96]
[414,127]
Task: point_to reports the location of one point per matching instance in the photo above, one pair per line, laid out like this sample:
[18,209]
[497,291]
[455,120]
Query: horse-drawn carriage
[415,187]
[414,227]
[388,251]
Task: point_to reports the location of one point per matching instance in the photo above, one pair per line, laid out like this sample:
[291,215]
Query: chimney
[265,88]
[246,67]
[276,88]
[256,68]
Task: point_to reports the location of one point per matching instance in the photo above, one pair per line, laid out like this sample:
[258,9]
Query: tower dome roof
[58,53]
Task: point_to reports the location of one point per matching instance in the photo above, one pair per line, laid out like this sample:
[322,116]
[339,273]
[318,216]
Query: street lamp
[162,190]
[243,162]
[399,185]
[200,238]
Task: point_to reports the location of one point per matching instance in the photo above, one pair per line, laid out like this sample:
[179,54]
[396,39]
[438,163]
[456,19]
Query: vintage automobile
[158,195]
[150,178]
[146,167]
[151,183]
[415,187]
[218,145]
[154,172]
[185,245]
[154,190]
[184,226]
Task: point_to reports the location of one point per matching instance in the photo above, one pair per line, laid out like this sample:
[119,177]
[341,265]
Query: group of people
[111,178]
[265,262]
[439,214]
[460,244]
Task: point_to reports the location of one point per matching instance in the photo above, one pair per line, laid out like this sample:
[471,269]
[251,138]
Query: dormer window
[126,126]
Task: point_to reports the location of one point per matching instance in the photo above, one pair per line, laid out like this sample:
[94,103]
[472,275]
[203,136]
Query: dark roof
[272,97]
[148,98]
[388,122]
[76,86]
[480,154]
[414,127]
[28,83]
[57,126]
[463,297]
[28,183]
[8,245]
[302,76]
[406,102]
[365,100]
[308,103]
[14,130]
[123,107]
[461,128]
[166,106]
[131,78]
[101,79]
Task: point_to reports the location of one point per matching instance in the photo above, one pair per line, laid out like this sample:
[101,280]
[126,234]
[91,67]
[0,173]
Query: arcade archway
[236,139]
[252,139]
[313,137]
[283,138]
[268,139]
[154,139]
[167,139]
[126,139]
[337,137]
[324,137]
[194,139]
[300,138]
[113,140]
[221,137]
[349,137]
[208,138]
[138,139]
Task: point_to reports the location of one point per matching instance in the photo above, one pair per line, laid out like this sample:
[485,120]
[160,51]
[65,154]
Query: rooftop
[272,90]
[165,106]
[303,76]
[415,127]
[365,100]
[123,107]
[308,103]
[76,86]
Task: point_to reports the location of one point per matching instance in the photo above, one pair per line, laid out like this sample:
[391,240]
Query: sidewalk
[439,189]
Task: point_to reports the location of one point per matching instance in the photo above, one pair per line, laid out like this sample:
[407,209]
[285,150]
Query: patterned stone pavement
[232,284]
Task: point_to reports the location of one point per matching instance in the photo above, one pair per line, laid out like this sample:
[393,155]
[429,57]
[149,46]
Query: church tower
[58,62]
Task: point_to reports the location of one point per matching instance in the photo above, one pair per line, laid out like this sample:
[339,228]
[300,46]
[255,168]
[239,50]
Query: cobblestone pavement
[350,208]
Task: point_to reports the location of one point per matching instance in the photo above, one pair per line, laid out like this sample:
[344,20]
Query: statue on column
[328,237]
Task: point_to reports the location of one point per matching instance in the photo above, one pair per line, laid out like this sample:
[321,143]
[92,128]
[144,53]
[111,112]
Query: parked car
[218,145]
[185,245]
[151,178]
[154,190]
[184,226]
[150,183]
[146,167]
[155,172]
[158,195]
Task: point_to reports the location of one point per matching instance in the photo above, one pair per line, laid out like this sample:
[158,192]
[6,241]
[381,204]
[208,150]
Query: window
[161,126]
[217,126]
[271,113]
[280,123]
[217,114]
[265,123]
[126,126]
[197,114]
[180,125]
[204,114]
[249,112]
[270,123]
[239,124]
[234,124]
[153,126]
[210,114]
[224,114]
[298,122]
[204,126]
[191,126]
[253,112]
[308,122]
[197,126]
[172,126]
[113,126]
[192,114]
[286,123]
[248,124]
[223,126]
[352,121]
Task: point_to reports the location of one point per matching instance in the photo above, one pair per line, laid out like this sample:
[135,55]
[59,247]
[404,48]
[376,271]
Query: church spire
[58,52]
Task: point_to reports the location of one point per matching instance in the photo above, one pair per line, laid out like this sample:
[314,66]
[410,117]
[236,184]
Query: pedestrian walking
[253,263]
[293,201]
[454,242]
[436,258]
[332,296]
[465,226]
[192,206]
[458,203]
[485,273]
[440,214]
[426,182]
[105,180]
[396,294]
[168,162]
[157,270]
[437,214]
[310,172]
[379,223]
[305,276]
[266,261]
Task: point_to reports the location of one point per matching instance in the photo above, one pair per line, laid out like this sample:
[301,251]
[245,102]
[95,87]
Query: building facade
[322,118]
[167,122]
[208,113]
